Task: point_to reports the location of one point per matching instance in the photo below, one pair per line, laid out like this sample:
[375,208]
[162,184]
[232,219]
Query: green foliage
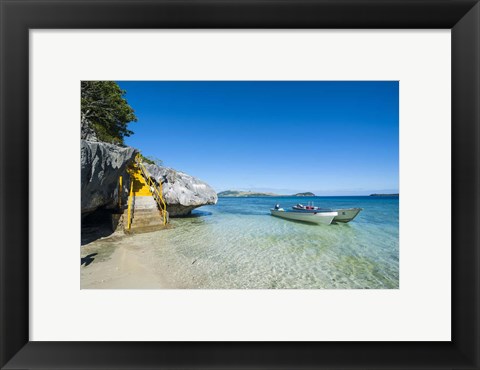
[145,159]
[104,106]
[151,160]
[155,160]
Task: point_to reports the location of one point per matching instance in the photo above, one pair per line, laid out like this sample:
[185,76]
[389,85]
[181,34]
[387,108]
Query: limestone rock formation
[101,166]
[182,192]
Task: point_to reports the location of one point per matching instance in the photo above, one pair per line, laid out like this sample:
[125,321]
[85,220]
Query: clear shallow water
[238,244]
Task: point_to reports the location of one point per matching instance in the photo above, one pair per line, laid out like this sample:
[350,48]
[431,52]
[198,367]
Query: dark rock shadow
[199,214]
[87,259]
[98,224]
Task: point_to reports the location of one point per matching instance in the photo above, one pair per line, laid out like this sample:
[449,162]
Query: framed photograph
[236,192]
[179,232]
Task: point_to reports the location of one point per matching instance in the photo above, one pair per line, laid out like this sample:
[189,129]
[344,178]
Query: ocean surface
[237,244]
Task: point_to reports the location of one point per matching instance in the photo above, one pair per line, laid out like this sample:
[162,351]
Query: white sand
[120,263]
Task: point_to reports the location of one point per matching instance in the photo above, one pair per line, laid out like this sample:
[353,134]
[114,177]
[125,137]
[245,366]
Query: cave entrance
[99,224]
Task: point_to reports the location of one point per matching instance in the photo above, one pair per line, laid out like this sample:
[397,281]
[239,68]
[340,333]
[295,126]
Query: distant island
[384,195]
[237,193]
[240,193]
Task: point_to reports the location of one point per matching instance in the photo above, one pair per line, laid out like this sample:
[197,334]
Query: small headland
[385,195]
[241,193]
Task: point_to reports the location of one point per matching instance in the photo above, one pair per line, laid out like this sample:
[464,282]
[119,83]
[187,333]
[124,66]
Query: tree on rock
[106,110]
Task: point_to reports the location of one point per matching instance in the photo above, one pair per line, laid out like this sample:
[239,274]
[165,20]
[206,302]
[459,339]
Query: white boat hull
[324,218]
[346,215]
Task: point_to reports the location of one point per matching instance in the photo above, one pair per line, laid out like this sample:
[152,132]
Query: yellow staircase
[140,186]
[146,206]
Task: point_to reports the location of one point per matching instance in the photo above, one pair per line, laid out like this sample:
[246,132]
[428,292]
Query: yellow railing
[157,190]
[129,215]
[120,192]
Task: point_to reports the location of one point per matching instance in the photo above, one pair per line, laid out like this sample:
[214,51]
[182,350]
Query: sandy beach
[119,262]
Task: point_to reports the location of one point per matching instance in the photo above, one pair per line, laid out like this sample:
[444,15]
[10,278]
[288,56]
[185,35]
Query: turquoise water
[238,244]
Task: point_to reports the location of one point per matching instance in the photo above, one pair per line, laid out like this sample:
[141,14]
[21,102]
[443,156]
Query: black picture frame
[19,16]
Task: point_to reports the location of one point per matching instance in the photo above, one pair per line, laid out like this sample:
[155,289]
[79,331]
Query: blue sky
[328,137]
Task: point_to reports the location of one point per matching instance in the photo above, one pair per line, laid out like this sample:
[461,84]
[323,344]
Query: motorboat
[301,207]
[322,217]
[344,215]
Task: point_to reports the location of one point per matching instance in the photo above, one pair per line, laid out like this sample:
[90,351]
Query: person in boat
[277,206]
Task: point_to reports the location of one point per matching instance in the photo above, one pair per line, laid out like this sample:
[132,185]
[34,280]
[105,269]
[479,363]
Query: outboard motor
[277,206]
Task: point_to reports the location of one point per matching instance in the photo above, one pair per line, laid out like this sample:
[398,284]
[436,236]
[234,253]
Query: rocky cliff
[182,192]
[101,166]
